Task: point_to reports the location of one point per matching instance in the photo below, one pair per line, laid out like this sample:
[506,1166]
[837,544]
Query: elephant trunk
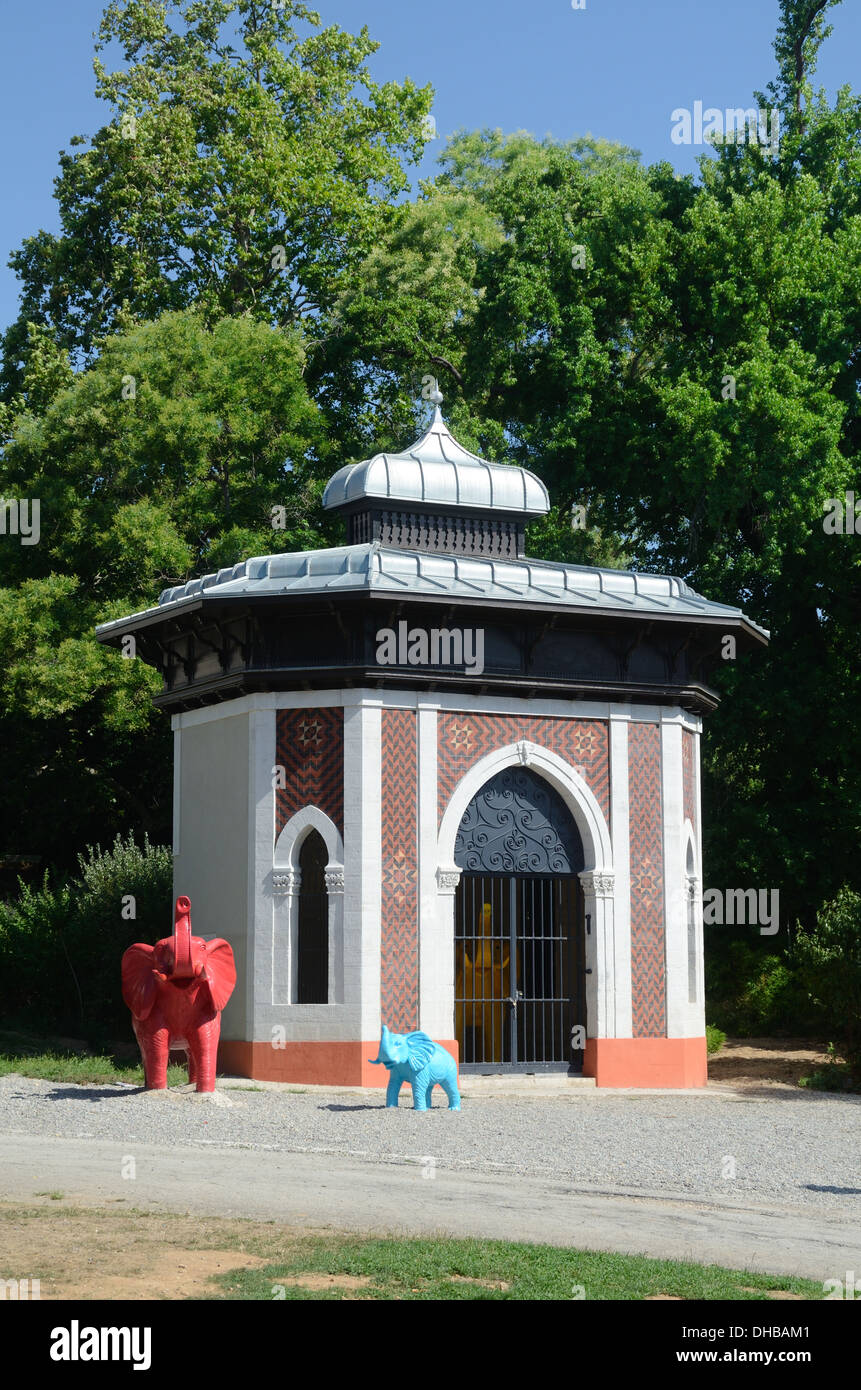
[382,1058]
[183,965]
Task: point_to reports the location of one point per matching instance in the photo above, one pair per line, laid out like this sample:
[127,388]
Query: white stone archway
[286,885]
[597,877]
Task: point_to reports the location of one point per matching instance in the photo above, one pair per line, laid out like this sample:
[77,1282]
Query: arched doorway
[519,933]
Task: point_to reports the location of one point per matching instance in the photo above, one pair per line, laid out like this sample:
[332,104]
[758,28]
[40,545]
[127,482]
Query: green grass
[422,1270]
[45,1060]
[715,1039]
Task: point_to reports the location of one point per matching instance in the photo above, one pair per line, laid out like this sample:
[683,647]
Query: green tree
[165,458]
[680,358]
[61,945]
[830,962]
[249,165]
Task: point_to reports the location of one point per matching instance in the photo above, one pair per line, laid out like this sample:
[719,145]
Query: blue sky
[615,69]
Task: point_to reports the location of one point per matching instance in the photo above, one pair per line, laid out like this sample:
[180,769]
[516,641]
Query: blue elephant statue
[416,1058]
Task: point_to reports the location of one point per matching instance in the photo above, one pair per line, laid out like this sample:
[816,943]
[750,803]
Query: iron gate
[519,953]
[518,972]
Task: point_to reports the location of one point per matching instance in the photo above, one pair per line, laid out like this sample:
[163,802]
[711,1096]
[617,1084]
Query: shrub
[829,961]
[60,947]
[715,1039]
[755,992]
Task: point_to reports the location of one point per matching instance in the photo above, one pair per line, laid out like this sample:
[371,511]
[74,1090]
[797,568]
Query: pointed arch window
[312,976]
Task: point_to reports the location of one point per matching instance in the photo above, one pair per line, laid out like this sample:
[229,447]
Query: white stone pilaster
[598,895]
[680,1013]
[176,724]
[436,948]
[362,859]
[620,832]
[261,832]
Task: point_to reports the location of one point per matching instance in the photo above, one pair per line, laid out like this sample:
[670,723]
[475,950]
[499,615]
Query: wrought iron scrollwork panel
[518,824]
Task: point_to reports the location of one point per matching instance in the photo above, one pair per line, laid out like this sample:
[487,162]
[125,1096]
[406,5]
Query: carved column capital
[599,882]
[335,880]
[286,881]
[447,880]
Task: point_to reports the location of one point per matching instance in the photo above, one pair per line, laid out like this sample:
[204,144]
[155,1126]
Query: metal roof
[373,568]
[436,471]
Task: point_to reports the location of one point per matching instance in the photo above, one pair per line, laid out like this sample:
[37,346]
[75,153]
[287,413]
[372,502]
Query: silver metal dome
[438,472]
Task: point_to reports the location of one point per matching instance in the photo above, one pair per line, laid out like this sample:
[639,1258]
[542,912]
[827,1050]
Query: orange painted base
[646,1061]
[309,1063]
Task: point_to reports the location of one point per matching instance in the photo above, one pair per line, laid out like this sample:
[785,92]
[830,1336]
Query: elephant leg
[203,1052]
[428,1094]
[422,1086]
[192,1065]
[393,1090]
[449,1085]
[155,1048]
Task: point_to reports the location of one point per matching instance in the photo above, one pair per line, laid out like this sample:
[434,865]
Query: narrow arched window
[313,925]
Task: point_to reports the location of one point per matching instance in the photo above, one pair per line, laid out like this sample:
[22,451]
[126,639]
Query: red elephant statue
[176,991]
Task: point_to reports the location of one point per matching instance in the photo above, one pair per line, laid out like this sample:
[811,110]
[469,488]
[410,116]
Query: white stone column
[599,903]
[285,890]
[696,725]
[620,1020]
[334,876]
[446,881]
[436,940]
[679,1011]
[176,725]
[362,858]
[693,904]
[261,836]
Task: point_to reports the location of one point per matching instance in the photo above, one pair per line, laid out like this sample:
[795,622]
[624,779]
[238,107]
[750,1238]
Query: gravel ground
[799,1150]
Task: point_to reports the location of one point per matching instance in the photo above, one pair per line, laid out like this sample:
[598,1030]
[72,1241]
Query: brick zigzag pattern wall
[464,738]
[647,882]
[309,745]
[399,947]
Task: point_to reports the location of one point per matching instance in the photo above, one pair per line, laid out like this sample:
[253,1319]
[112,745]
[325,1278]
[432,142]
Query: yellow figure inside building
[485,976]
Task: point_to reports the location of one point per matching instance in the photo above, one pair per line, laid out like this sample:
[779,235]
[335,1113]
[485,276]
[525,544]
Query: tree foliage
[679,357]
[163,459]
[250,163]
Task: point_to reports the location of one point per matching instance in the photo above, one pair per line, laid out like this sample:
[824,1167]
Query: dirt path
[80,1254]
[765,1063]
[302,1191]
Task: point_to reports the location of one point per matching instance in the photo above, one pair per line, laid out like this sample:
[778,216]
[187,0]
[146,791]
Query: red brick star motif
[584,743]
[646,881]
[461,738]
[309,733]
[399,877]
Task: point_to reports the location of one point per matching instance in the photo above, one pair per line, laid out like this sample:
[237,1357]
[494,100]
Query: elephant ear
[420,1049]
[220,970]
[140,985]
